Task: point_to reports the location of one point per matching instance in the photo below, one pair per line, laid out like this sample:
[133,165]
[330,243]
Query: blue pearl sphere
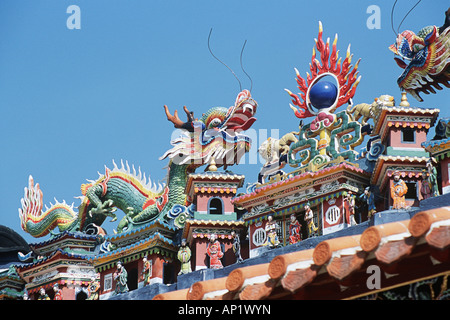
[323,94]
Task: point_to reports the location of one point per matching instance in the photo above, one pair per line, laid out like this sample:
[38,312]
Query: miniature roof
[55,255]
[61,236]
[295,177]
[407,250]
[212,176]
[143,229]
[380,170]
[154,243]
[209,226]
[415,117]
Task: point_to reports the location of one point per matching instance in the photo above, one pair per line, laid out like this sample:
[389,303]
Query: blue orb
[323,94]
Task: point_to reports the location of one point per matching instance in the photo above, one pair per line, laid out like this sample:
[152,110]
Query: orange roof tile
[172,295]
[336,258]
[208,289]
[239,278]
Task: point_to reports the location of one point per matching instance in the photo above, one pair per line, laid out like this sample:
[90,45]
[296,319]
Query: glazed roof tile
[140,229]
[338,258]
[123,250]
[75,235]
[56,253]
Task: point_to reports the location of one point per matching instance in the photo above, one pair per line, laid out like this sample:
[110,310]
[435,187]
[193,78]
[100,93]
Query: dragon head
[423,56]
[216,138]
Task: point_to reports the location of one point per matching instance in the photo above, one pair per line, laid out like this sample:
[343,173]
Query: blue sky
[71,101]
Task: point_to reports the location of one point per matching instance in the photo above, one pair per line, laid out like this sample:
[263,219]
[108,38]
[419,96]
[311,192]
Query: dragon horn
[173,118]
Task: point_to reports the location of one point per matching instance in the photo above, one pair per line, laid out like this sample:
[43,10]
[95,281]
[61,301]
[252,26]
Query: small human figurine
[215,253]
[184,255]
[432,178]
[294,230]
[25,296]
[349,208]
[43,295]
[146,271]
[309,215]
[369,197]
[398,191]
[236,246]
[425,188]
[121,278]
[271,233]
[58,292]
[93,289]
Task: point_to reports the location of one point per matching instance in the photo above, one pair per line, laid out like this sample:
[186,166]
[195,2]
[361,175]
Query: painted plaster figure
[43,295]
[25,296]
[271,233]
[369,198]
[121,277]
[432,179]
[184,255]
[309,215]
[93,289]
[236,246]
[398,192]
[349,208]
[215,253]
[146,271]
[58,292]
[294,230]
[425,188]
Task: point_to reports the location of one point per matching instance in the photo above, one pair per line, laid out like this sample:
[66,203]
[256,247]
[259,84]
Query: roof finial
[404,102]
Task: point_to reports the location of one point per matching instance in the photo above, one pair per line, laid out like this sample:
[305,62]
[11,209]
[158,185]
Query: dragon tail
[39,223]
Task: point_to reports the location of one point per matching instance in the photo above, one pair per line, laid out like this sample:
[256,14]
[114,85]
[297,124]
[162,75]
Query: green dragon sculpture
[215,140]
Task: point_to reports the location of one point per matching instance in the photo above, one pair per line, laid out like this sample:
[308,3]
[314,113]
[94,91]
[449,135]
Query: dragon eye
[215,122]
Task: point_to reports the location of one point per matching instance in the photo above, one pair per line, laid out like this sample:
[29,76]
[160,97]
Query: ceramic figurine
[369,197]
[43,295]
[236,246]
[349,208]
[184,255]
[146,271]
[398,192]
[271,233]
[294,230]
[58,292]
[215,253]
[432,179]
[121,277]
[93,289]
[425,188]
[309,215]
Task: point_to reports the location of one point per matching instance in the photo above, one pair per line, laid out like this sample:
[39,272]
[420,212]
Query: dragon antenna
[392,18]
[242,67]
[408,14]
[209,36]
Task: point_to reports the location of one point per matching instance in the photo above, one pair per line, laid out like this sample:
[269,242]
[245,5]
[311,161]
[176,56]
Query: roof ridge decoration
[330,135]
[216,140]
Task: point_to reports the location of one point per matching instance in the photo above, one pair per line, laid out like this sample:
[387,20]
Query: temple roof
[404,251]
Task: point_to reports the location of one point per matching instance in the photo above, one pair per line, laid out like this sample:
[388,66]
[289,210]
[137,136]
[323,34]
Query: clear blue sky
[71,101]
